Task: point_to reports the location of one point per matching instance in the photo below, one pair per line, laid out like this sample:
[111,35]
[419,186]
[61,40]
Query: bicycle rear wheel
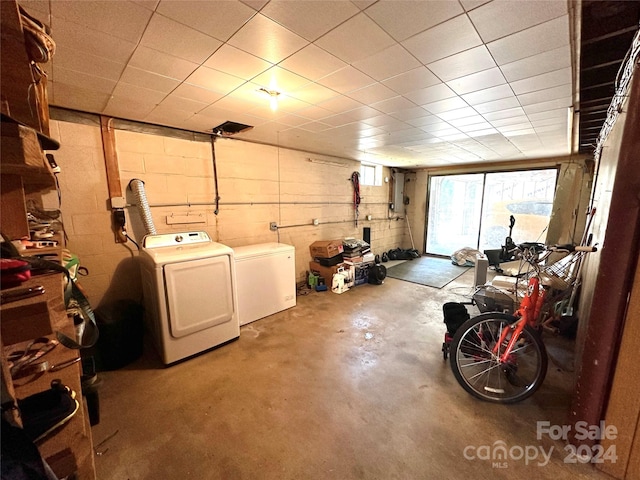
[481,372]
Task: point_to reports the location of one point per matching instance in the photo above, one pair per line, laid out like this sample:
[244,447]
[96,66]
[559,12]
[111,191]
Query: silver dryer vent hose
[137,187]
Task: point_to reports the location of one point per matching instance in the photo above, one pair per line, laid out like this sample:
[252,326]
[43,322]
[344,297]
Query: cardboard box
[326,248]
[324,272]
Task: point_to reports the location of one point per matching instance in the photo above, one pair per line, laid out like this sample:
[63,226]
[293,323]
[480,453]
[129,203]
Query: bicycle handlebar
[585,248]
[540,247]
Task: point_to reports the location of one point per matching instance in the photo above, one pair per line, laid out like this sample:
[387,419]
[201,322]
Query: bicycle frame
[527,314]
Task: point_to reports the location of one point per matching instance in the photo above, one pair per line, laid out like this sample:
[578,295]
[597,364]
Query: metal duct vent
[228,128]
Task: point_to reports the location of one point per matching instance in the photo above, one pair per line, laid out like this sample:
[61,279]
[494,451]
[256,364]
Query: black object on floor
[121,334]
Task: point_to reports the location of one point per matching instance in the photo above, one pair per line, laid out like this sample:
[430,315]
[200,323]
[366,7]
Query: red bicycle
[500,357]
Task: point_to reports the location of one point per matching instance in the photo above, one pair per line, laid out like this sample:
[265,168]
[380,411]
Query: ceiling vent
[228,128]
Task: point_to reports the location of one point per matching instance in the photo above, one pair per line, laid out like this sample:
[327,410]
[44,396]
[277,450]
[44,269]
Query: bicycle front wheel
[478,367]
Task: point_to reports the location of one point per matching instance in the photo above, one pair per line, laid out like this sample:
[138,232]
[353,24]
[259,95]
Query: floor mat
[430,271]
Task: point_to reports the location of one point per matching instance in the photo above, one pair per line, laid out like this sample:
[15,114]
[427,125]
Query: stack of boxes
[354,256]
[326,258]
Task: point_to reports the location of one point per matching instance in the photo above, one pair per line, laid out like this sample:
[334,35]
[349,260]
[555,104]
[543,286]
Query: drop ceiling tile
[357,38]
[372,94]
[79,61]
[516,133]
[539,96]
[314,94]
[482,133]
[541,38]
[314,112]
[472,119]
[341,103]
[393,104]
[402,19]
[236,62]
[71,36]
[412,113]
[500,18]
[142,78]
[440,128]
[167,115]
[515,127]
[197,94]
[363,113]
[458,113]
[71,96]
[346,80]
[558,128]
[412,80]
[430,94]
[541,82]
[477,81]
[386,122]
[291,120]
[461,64]
[448,38]
[549,122]
[84,81]
[550,105]
[471,4]
[387,63]
[488,95]
[510,121]
[475,127]
[309,19]
[139,94]
[161,63]
[266,39]
[214,80]
[281,80]
[338,120]
[537,64]
[126,107]
[169,36]
[315,127]
[213,18]
[502,104]
[127,21]
[554,113]
[441,106]
[505,113]
[312,62]
[180,104]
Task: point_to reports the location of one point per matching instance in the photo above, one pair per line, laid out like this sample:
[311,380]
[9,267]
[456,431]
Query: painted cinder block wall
[257,184]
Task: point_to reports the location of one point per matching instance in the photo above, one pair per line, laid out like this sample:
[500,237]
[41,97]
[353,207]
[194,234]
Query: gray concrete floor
[349,386]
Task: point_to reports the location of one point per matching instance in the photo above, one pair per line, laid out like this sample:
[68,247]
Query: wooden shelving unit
[24,171]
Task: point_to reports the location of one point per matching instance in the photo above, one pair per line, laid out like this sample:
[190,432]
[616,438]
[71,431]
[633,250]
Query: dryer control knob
[179,238]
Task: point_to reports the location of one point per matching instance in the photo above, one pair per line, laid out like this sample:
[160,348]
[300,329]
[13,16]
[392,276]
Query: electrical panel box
[397,202]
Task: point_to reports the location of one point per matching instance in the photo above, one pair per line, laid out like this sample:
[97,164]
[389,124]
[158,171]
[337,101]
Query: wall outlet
[273,226]
[369,217]
[316,221]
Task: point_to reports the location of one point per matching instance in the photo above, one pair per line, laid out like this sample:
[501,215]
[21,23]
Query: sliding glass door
[474,210]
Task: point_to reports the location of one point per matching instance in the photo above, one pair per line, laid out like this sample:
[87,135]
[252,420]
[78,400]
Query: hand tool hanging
[355,179]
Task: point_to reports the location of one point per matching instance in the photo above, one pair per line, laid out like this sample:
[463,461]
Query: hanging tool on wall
[112,169]
[215,173]
[355,179]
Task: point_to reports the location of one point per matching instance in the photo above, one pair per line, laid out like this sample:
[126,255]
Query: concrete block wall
[257,184]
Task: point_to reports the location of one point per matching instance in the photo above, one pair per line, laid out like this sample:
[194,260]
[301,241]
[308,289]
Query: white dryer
[189,287]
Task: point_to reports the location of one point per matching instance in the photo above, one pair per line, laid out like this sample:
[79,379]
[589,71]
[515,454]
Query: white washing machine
[189,287]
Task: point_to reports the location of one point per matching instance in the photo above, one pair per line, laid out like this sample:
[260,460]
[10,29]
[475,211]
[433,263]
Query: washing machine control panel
[172,239]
